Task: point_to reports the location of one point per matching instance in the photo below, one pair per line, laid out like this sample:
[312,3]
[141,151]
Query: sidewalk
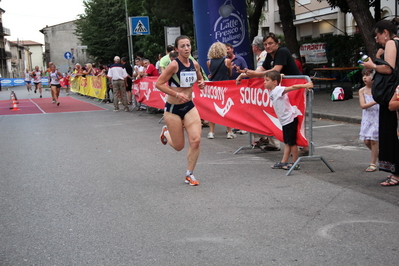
[344,111]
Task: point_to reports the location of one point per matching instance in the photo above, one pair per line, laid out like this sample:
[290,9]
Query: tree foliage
[344,6]
[162,14]
[254,13]
[360,10]
[103,26]
[103,29]
[335,43]
[287,20]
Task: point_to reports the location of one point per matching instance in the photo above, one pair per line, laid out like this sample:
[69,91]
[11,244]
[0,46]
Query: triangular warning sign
[140,27]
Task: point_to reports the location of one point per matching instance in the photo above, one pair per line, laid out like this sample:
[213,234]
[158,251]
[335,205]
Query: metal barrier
[309,107]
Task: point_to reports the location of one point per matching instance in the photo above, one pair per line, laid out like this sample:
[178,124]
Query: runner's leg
[192,124]
[175,136]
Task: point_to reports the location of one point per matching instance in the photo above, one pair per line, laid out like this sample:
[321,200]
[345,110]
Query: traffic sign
[139,26]
[68,55]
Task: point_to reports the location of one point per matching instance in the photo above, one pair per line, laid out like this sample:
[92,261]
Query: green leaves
[103,26]
[103,29]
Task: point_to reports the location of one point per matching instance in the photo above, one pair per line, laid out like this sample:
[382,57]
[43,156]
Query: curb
[338,118]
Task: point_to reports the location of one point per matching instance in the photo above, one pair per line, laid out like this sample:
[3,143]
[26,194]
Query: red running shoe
[191,180]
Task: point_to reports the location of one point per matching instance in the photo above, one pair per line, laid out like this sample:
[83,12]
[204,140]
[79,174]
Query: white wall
[60,39]
[37,56]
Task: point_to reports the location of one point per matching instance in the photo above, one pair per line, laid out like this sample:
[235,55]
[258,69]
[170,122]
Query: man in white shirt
[117,76]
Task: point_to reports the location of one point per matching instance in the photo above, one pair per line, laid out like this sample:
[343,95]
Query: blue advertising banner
[224,21]
[19,82]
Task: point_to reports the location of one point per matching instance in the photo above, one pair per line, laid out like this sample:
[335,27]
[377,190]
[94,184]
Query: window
[306,38]
[265,31]
[266,6]
[326,34]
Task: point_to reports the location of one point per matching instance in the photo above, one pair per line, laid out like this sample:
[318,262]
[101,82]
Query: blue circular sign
[68,55]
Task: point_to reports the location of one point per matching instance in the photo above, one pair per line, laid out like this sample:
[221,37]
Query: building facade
[5,54]
[314,19]
[36,55]
[58,40]
[18,59]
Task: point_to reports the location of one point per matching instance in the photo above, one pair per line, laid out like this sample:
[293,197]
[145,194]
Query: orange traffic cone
[14,106]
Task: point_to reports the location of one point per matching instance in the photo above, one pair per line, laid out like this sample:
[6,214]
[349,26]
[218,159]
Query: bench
[328,80]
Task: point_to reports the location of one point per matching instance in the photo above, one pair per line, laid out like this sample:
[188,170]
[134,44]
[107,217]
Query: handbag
[214,74]
[384,85]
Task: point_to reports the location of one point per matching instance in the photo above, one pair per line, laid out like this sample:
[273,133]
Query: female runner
[180,112]
[55,77]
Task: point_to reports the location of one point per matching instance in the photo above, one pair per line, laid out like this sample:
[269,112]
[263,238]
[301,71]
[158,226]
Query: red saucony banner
[147,93]
[246,106]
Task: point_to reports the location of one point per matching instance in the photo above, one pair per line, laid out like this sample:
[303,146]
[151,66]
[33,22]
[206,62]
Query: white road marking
[341,147]
[336,125]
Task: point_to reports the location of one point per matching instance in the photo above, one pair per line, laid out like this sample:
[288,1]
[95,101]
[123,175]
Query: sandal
[371,168]
[288,167]
[390,182]
[279,165]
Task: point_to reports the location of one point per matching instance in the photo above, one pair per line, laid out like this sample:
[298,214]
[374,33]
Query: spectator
[286,114]
[173,55]
[118,78]
[369,125]
[96,71]
[298,63]
[220,69]
[138,68]
[269,143]
[129,71]
[104,72]
[165,60]
[385,33]
[88,70]
[78,70]
[237,61]
[278,58]
[158,62]
[66,82]
[150,69]
[259,51]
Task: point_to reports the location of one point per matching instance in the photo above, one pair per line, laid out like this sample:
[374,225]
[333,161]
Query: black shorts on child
[289,132]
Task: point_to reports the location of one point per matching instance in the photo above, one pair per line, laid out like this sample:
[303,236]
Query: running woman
[180,112]
[55,85]
[37,79]
[28,80]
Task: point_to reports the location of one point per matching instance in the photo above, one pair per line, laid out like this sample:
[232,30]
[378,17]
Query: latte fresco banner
[246,106]
[224,21]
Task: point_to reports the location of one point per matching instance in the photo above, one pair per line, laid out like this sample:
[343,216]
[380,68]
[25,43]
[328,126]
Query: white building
[315,19]
[37,54]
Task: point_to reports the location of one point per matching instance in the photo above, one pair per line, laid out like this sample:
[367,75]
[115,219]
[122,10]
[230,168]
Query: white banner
[315,53]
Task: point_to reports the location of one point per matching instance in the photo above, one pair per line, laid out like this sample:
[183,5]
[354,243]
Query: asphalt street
[98,188]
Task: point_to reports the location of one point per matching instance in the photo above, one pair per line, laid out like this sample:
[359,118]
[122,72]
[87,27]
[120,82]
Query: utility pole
[129,36]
